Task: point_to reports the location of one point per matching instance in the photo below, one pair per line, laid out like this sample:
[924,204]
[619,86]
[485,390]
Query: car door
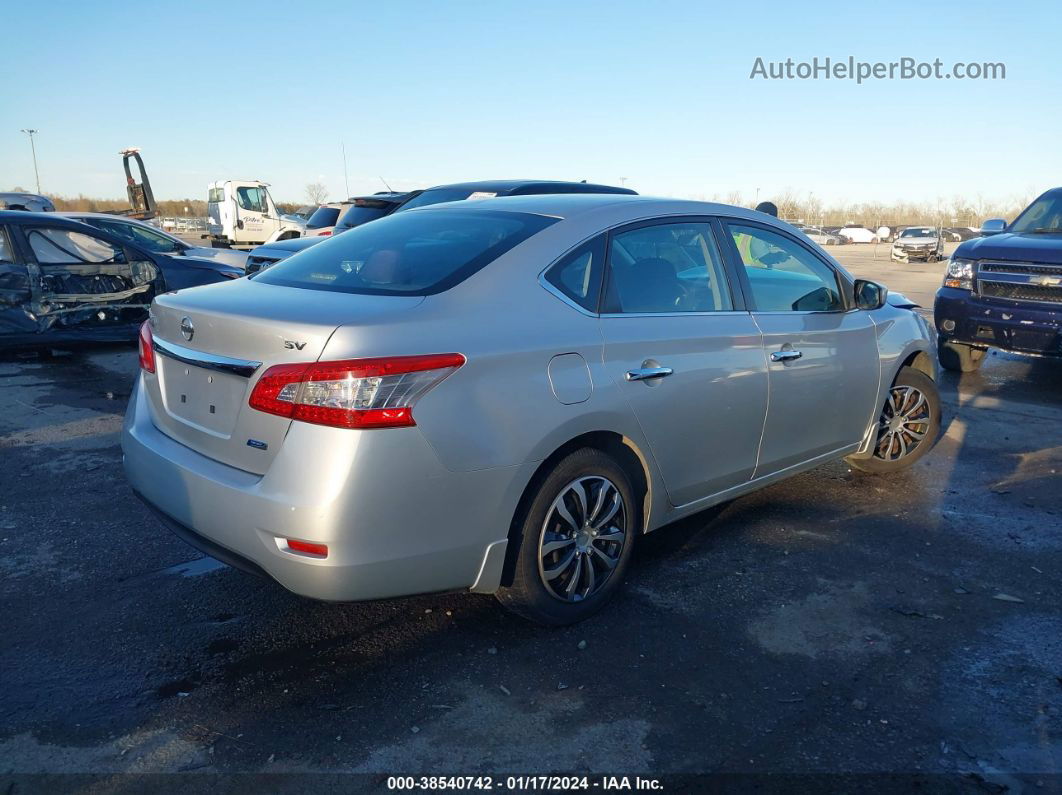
[685,354]
[251,212]
[822,353]
[78,277]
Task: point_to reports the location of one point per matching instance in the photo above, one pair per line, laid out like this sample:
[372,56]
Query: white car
[821,237]
[323,220]
[859,234]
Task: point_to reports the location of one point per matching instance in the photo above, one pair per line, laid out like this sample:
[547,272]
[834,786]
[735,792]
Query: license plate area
[205,399]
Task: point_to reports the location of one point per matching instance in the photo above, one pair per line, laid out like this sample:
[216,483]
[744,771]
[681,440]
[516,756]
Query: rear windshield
[358,215]
[407,253]
[440,195]
[323,216]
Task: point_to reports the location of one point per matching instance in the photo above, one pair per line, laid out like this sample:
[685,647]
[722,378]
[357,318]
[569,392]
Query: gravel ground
[834,623]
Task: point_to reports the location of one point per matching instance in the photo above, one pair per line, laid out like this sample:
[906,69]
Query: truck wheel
[959,357]
[576,541]
[908,425]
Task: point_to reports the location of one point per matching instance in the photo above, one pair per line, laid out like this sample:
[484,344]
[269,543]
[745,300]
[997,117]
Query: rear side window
[666,268]
[407,253]
[578,275]
[53,245]
[322,217]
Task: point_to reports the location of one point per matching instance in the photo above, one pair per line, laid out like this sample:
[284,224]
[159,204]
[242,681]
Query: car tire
[911,418]
[550,584]
[959,357]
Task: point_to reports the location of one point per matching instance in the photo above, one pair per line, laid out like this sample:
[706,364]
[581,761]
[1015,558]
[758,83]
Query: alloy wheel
[582,538]
[904,423]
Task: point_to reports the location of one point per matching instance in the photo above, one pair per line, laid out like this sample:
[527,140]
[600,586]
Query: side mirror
[993,226]
[870,295]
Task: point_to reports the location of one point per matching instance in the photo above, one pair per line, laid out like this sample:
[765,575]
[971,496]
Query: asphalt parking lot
[832,623]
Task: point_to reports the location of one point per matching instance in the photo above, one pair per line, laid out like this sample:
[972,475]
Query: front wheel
[908,425]
[576,540]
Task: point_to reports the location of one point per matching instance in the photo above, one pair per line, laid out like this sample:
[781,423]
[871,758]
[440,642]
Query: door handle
[786,356]
[645,373]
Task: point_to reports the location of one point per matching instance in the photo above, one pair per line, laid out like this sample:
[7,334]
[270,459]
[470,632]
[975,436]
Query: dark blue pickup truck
[1004,289]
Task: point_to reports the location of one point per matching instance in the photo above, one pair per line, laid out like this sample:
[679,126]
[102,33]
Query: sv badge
[291,345]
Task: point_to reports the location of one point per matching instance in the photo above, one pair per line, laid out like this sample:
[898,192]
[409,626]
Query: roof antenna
[384,181]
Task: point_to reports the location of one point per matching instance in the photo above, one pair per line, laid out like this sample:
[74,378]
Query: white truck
[242,214]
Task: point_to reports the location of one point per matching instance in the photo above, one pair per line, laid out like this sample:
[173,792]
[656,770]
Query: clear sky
[423,93]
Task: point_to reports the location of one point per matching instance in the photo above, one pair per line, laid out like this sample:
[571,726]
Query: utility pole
[346,182]
[33,149]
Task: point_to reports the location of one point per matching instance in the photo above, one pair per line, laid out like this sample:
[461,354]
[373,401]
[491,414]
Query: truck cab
[1004,289]
[242,214]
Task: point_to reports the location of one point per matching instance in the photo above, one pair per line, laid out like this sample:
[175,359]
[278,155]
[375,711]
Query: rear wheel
[576,541]
[958,357]
[907,426]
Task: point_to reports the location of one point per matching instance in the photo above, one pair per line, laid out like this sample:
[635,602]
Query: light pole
[33,149]
[623,182]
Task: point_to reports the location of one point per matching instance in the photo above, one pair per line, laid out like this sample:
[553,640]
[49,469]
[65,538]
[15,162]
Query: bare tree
[316,193]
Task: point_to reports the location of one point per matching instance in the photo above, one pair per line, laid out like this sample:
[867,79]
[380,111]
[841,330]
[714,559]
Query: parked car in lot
[29,202]
[324,218]
[918,242]
[361,210]
[64,282]
[381,204]
[501,395]
[159,241]
[1004,289]
[858,234]
[823,238]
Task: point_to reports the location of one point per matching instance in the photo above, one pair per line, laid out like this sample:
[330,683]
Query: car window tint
[52,245]
[322,217]
[785,276]
[578,275]
[666,268]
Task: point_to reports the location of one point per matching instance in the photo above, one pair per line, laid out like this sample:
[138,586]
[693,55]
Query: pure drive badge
[257,445]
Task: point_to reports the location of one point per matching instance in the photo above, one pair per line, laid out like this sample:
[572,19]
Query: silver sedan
[503,395]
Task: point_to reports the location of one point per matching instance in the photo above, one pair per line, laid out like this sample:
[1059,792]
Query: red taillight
[305,547]
[147,349]
[355,393]
[326,232]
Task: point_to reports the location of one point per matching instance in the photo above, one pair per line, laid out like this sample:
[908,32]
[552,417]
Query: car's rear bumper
[395,521]
[1024,327]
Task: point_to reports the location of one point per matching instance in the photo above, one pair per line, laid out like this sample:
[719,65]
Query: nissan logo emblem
[187,329]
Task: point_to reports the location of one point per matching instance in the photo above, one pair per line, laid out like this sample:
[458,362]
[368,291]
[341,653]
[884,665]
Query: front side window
[578,275]
[52,245]
[783,275]
[666,268]
[252,199]
[407,253]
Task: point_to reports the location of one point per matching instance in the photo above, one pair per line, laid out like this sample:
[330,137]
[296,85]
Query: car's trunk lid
[213,343]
